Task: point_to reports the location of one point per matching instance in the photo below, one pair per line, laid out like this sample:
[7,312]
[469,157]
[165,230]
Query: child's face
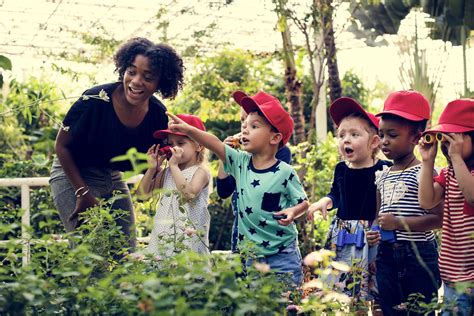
[466,151]
[356,144]
[397,138]
[243,117]
[257,133]
[190,149]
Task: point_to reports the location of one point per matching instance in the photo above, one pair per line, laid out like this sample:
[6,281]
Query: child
[407,257]
[225,183]
[353,191]
[454,186]
[187,175]
[267,188]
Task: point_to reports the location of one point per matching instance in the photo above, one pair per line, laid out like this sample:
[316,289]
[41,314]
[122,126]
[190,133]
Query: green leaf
[5,63]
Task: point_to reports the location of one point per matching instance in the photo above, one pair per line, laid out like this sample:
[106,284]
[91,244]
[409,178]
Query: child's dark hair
[165,63]
[416,127]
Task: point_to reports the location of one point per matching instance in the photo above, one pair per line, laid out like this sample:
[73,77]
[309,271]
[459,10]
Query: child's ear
[276,138]
[375,142]
[416,138]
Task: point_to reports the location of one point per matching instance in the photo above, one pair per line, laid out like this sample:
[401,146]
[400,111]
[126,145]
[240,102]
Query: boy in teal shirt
[270,193]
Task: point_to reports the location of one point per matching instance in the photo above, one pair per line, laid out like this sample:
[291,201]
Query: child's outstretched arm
[207,140]
[322,205]
[292,213]
[430,193]
[149,181]
[199,181]
[463,175]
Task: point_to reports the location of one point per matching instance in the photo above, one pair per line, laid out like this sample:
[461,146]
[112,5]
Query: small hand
[373,237]
[153,158]
[290,216]
[229,140]
[318,206]
[176,124]
[427,150]
[456,144]
[388,221]
[177,155]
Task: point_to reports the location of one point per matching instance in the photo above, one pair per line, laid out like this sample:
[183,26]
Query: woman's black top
[98,135]
[353,191]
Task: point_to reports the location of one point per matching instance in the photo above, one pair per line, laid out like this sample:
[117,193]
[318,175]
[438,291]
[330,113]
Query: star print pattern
[260,194]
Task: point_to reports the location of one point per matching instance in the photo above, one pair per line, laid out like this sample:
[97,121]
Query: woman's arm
[84,201]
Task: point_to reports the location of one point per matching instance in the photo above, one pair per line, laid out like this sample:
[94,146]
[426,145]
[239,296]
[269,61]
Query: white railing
[25,184]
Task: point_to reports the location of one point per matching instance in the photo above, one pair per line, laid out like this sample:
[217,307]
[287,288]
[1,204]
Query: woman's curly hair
[165,63]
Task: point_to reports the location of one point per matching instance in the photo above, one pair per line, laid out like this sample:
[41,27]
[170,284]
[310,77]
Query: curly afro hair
[165,63]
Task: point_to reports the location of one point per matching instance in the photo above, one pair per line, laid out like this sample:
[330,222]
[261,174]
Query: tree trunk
[335,88]
[292,84]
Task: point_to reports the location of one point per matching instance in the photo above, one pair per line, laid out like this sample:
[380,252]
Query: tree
[292,83]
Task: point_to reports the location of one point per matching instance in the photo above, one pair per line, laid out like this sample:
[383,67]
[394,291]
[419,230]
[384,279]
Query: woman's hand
[83,203]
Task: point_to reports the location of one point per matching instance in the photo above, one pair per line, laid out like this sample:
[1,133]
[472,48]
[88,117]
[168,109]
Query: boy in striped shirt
[454,186]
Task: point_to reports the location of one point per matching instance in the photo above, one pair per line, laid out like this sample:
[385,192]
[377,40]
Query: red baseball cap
[271,109]
[345,106]
[409,104]
[457,117]
[192,120]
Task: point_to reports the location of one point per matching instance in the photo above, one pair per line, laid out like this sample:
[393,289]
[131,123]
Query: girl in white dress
[182,220]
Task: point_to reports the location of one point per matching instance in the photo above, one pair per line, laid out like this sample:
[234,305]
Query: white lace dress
[175,227]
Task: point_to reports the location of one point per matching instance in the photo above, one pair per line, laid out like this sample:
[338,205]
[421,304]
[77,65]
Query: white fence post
[25,223]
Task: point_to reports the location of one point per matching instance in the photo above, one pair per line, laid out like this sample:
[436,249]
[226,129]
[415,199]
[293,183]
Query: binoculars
[165,151]
[346,238]
[431,138]
[386,235]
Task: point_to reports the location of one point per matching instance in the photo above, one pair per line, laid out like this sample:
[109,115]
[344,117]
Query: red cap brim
[345,106]
[449,128]
[164,133]
[402,114]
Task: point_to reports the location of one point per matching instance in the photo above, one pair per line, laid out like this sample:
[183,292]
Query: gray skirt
[102,183]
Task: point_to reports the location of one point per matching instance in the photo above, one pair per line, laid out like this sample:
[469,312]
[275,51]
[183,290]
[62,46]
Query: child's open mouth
[348,150]
[244,141]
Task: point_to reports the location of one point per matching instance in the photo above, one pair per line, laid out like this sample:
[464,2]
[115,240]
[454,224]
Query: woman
[107,121]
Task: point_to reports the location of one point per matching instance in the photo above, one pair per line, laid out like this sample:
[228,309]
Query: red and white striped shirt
[456,260]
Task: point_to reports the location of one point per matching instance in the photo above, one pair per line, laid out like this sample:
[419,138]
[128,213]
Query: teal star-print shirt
[260,193]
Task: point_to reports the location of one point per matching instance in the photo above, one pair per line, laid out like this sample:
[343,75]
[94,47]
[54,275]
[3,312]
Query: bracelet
[77,194]
[82,194]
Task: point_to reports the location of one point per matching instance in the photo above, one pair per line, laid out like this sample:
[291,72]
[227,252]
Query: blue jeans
[399,274]
[102,183]
[286,264]
[457,303]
